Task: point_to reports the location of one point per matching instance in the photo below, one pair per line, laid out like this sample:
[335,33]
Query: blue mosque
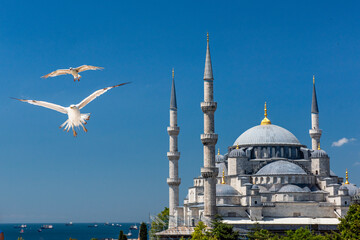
[266,176]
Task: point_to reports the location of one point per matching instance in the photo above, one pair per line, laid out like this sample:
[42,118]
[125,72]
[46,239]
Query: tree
[349,226]
[222,231]
[143,231]
[200,232]
[160,223]
[122,236]
[257,233]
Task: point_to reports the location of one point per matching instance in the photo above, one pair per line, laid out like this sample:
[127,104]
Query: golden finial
[347,177]
[319,147]
[218,151]
[237,146]
[173,73]
[314,79]
[265,121]
[223,177]
[207,36]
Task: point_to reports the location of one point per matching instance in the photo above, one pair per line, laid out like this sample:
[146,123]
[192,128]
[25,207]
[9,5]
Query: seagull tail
[65,123]
[84,117]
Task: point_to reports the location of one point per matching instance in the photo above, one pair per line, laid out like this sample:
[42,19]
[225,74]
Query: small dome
[225,190]
[219,158]
[255,187]
[319,154]
[265,135]
[237,153]
[293,188]
[353,189]
[281,168]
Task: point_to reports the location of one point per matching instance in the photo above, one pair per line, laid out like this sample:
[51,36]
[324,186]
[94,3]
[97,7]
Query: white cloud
[342,141]
[357,163]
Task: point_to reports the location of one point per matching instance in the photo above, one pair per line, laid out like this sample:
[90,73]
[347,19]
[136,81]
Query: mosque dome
[237,153]
[353,189]
[319,154]
[219,158]
[293,188]
[267,135]
[225,190]
[281,168]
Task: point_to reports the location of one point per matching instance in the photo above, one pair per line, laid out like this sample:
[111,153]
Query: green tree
[143,231]
[257,233]
[122,236]
[200,232]
[222,231]
[160,223]
[349,226]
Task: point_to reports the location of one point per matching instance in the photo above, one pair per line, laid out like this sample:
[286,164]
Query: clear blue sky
[261,51]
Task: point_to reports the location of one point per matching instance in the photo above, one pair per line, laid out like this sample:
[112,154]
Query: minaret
[209,172]
[173,155]
[315,132]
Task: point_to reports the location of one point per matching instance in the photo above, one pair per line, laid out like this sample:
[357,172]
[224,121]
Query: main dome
[267,135]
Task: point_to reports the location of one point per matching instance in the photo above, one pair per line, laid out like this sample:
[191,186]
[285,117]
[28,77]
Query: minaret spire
[315,131]
[173,104]
[173,155]
[209,139]
[208,74]
[314,104]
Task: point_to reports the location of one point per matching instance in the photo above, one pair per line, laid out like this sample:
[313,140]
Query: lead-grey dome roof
[319,154]
[293,188]
[353,189]
[237,153]
[265,135]
[225,190]
[281,168]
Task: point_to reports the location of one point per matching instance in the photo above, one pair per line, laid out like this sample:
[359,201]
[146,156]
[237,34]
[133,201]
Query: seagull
[72,71]
[75,118]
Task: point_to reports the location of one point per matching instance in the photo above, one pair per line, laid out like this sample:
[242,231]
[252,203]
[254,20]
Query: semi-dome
[267,135]
[319,154]
[237,153]
[281,168]
[293,188]
[225,190]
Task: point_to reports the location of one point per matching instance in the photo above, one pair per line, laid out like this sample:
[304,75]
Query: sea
[79,231]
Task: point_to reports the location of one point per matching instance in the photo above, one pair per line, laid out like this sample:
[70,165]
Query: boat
[47,226]
[95,225]
[21,226]
[129,234]
[134,227]
[69,224]
[21,231]
[39,230]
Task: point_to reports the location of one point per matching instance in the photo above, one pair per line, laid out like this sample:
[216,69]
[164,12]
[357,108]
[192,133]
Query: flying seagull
[72,71]
[75,118]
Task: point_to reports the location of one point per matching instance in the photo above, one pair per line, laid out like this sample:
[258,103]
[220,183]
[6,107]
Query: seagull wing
[45,104]
[87,67]
[57,73]
[96,94]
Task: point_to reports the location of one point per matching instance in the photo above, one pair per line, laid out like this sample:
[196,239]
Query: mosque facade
[266,176]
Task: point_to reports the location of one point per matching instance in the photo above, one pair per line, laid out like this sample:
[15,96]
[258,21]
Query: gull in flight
[75,118]
[72,71]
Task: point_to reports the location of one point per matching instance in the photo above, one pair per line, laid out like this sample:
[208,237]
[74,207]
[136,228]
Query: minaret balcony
[209,138]
[209,172]
[208,106]
[173,155]
[173,181]
[173,131]
[315,133]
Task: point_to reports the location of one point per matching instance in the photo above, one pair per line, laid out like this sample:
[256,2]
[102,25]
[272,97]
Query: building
[266,176]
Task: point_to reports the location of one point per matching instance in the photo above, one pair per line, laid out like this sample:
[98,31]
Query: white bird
[72,71]
[75,118]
